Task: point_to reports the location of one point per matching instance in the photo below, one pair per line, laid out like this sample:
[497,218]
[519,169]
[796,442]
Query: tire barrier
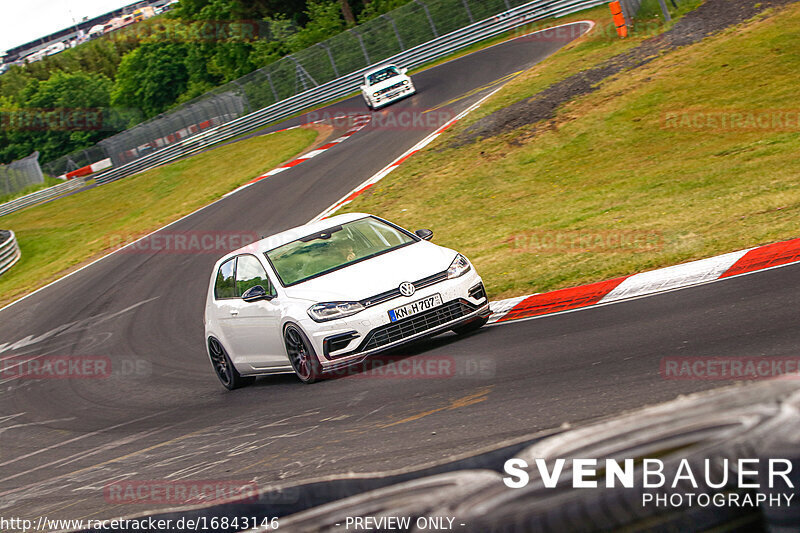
[712,431]
[9,250]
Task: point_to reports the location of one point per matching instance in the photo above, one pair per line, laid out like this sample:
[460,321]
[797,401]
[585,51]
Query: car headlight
[458,267]
[405,82]
[375,95]
[332,310]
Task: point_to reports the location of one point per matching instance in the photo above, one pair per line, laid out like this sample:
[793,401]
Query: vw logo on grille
[407,288]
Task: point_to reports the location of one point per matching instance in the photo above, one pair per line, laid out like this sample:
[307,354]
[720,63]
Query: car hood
[387,83]
[374,276]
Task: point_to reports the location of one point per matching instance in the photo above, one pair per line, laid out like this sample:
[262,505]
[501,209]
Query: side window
[249,273]
[224,286]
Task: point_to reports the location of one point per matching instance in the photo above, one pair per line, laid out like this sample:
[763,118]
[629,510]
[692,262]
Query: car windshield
[335,248]
[384,74]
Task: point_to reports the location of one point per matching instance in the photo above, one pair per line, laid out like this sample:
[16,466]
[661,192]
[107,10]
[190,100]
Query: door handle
[234,312]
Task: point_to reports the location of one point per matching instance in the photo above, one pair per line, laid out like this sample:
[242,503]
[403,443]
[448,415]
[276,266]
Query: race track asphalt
[162,415]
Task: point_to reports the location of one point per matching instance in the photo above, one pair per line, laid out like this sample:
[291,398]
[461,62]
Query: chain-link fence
[169,128]
[372,42]
[20,174]
[75,160]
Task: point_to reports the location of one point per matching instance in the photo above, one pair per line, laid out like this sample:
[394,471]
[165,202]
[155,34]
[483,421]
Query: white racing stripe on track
[673,277]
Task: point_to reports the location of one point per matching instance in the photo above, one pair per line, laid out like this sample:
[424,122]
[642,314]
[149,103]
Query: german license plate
[415,308]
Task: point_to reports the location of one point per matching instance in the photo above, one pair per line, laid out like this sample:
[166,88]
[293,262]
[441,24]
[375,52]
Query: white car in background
[323,296]
[385,85]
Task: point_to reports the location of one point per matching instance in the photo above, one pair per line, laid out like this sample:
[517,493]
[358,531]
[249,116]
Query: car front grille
[408,327]
[391,88]
[394,293]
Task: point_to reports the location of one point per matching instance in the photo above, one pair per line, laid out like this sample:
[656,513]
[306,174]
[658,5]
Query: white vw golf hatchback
[328,294]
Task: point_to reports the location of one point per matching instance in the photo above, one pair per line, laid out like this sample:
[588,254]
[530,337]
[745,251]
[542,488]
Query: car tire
[223,367]
[301,354]
[469,327]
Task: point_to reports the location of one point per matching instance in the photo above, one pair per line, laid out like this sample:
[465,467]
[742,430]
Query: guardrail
[40,196]
[343,86]
[9,250]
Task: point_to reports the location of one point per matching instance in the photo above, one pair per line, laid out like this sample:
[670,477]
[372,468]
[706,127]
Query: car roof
[373,71]
[284,237]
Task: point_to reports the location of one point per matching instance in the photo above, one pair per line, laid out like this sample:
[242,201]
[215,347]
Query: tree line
[74,99]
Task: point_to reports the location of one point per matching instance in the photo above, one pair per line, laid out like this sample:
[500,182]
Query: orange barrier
[619,18]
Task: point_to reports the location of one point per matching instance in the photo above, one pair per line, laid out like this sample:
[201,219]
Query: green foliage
[378,7]
[151,77]
[162,62]
[80,93]
[324,20]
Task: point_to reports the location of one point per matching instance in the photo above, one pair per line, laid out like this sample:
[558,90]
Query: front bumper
[392,96]
[371,331]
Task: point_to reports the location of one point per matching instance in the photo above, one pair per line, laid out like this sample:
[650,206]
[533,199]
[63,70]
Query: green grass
[607,163]
[60,235]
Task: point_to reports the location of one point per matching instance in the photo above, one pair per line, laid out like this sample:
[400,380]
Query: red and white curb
[359,122]
[646,283]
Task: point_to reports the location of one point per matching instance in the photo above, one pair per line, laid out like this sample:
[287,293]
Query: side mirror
[424,234]
[256,293]
[403,71]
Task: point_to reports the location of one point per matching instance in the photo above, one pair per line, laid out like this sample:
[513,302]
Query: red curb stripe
[402,159]
[357,193]
[259,178]
[303,158]
[562,300]
[770,255]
